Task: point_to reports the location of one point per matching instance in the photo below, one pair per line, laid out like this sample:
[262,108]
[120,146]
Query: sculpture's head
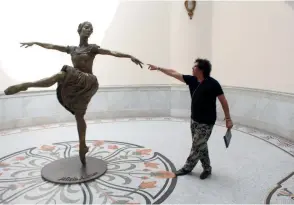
[85,29]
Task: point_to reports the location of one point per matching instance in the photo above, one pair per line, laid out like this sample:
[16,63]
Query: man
[203,90]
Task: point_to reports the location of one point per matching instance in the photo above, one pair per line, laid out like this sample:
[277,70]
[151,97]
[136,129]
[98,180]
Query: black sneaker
[182,172]
[205,174]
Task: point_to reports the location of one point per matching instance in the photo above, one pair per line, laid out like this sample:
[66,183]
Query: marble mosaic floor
[141,154]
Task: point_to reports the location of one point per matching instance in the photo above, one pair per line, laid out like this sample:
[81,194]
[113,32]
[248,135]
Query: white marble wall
[31,108]
[273,112]
[265,110]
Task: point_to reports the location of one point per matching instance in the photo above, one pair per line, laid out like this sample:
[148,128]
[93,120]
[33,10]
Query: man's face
[195,70]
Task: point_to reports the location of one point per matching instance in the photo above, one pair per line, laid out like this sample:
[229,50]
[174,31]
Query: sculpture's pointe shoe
[83,151]
[15,89]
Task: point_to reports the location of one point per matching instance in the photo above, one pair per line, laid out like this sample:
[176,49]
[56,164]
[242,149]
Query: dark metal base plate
[71,171]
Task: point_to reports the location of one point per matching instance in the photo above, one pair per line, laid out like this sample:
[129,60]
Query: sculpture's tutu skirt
[76,90]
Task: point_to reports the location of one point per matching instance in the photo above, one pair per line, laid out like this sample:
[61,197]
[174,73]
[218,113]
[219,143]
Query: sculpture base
[71,171]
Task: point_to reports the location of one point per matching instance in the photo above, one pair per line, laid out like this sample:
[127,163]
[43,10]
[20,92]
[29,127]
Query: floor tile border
[279,142]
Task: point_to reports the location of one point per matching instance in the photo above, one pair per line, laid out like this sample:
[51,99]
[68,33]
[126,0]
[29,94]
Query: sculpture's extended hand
[27,44]
[137,61]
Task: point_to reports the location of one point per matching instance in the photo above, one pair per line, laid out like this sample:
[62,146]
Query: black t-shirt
[203,102]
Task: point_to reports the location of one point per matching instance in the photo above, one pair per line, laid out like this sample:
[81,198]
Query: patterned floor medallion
[283,193]
[135,175]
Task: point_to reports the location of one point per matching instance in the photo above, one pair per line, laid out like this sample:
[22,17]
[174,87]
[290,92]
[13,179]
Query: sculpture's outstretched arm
[102,51]
[46,45]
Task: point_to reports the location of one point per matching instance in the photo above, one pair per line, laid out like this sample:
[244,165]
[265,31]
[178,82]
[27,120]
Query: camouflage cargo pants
[199,151]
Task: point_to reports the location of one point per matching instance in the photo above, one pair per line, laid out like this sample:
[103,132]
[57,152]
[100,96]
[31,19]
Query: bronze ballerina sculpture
[77,84]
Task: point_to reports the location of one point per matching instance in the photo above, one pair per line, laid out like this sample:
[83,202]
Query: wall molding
[266,110]
[145,87]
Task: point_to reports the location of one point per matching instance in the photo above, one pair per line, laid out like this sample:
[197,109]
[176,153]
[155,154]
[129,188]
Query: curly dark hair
[204,65]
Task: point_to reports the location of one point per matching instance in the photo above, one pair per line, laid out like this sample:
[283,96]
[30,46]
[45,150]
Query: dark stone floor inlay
[135,175]
[283,193]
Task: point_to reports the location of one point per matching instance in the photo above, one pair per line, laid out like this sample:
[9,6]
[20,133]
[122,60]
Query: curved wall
[252,44]
[265,110]
[248,50]
[157,32]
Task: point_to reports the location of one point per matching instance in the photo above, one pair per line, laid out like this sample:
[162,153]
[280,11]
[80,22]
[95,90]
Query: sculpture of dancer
[77,84]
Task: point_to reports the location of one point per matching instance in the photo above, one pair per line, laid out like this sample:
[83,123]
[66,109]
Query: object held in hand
[227,137]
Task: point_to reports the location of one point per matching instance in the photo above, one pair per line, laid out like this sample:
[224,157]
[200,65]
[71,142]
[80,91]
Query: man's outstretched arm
[169,72]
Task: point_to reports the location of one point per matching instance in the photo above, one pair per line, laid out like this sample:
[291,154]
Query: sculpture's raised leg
[48,82]
[43,83]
